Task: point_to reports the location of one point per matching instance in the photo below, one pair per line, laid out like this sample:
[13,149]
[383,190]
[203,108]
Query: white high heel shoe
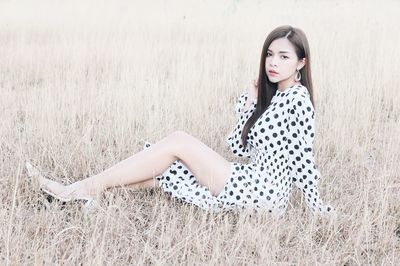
[33,172]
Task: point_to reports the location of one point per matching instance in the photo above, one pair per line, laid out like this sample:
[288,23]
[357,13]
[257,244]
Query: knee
[178,140]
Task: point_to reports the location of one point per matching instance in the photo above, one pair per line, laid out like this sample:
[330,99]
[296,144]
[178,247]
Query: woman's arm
[244,108]
[303,169]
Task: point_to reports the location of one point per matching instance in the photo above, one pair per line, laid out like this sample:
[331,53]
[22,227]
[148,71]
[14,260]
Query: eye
[285,57]
[268,54]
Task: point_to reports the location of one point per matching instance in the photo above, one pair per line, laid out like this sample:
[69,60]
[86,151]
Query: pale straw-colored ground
[84,83]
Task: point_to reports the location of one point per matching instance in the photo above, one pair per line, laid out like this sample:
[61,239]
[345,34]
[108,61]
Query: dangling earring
[298,75]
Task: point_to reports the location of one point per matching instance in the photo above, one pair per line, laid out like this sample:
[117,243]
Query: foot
[74,190]
[42,181]
[54,187]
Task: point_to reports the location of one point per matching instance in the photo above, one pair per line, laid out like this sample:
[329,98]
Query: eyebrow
[282,52]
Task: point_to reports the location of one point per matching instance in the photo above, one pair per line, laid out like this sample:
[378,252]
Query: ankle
[90,188]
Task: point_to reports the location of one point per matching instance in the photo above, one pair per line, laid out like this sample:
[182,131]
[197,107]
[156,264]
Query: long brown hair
[267,89]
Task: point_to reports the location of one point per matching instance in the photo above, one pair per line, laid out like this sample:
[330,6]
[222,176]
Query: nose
[272,61]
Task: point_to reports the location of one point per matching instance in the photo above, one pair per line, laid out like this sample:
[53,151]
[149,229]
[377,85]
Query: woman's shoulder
[300,97]
[298,92]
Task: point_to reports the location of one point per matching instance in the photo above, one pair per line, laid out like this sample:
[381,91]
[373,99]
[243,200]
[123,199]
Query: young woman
[274,127]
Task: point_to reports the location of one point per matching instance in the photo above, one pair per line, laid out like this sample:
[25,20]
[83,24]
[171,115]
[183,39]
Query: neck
[283,87]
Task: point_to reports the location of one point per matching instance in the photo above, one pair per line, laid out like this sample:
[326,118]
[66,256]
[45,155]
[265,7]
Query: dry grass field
[84,83]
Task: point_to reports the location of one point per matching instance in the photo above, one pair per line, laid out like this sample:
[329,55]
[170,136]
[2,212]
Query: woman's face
[282,58]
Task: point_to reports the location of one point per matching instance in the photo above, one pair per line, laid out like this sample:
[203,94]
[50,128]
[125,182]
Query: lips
[272,72]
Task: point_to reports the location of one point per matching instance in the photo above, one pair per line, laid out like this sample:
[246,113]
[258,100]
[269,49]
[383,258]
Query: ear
[301,63]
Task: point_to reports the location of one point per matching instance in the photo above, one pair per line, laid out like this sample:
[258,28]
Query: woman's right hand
[253,89]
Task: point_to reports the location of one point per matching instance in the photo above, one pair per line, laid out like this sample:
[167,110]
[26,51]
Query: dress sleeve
[302,166]
[234,138]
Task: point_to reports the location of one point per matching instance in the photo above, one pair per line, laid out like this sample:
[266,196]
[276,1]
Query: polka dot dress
[280,146]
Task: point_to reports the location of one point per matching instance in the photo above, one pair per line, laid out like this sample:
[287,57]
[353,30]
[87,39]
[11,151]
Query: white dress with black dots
[280,146]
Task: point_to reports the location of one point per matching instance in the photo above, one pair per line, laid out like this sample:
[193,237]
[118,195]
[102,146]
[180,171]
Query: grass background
[84,83]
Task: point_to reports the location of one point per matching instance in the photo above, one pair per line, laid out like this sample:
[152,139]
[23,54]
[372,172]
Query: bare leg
[145,184]
[78,190]
[137,171]
[210,169]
